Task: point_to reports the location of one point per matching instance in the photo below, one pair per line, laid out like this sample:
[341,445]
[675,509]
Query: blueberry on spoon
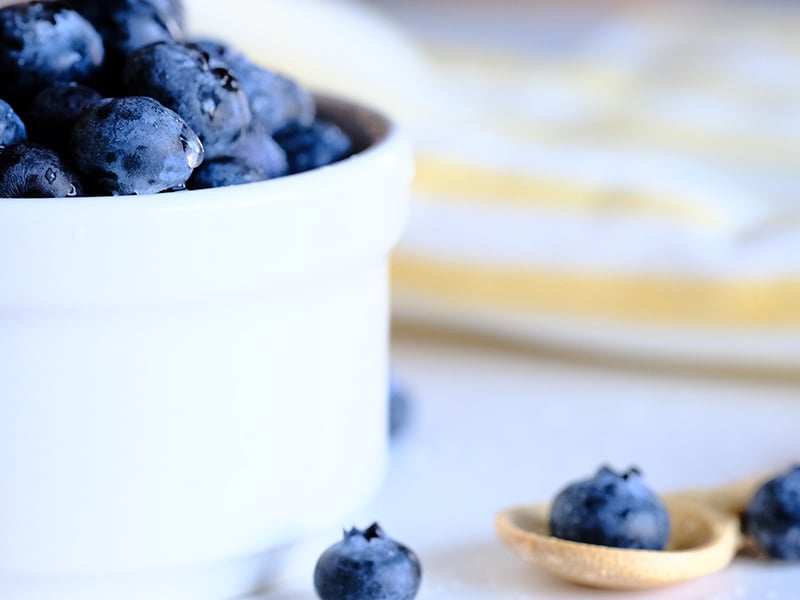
[611,509]
[772,517]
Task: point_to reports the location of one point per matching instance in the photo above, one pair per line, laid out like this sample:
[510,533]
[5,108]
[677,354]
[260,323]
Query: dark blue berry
[45,42]
[276,102]
[55,109]
[312,147]
[12,129]
[252,158]
[772,518]
[32,171]
[611,509]
[126,25]
[367,565]
[181,78]
[399,405]
[134,145]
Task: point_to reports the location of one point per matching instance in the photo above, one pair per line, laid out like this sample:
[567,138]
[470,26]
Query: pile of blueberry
[110,97]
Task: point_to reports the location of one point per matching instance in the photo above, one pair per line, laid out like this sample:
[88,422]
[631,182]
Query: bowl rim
[368,127]
[173,248]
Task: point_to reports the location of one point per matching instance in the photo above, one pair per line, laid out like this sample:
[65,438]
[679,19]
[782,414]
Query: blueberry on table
[180,77]
[367,565]
[12,129]
[399,406]
[54,110]
[45,42]
[611,509]
[772,517]
[134,145]
[253,157]
[32,171]
[317,145]
[276,101]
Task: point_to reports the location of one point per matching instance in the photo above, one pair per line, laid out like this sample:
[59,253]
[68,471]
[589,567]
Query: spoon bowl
[704,539]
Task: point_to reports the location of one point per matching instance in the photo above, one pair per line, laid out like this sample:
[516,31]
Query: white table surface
[494,427]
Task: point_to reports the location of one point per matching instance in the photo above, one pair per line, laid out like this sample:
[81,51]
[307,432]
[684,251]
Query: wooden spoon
[705,538]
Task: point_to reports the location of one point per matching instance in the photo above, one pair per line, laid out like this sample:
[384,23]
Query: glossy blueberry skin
[55,109]
[45,42]
[12,129]
[611,509]
[772,517]
[253,157]
[179,76]
[276,102]
[367,565]
[134,145]
[126,25]
[32,171]
[312,147]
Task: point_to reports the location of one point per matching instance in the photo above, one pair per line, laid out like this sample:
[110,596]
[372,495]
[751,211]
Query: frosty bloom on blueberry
[53,112]
[179,76]
[367,565]
[12,129]
[251,158]
[276,101]
[772,518]
[126,25]
[134,145]
[611,509]
[45,42]
[124,104]
[32,171]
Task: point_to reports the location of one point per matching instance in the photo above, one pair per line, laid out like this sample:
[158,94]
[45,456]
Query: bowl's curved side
[182,373]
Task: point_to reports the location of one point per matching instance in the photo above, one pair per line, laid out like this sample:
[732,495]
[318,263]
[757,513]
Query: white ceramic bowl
[188,380]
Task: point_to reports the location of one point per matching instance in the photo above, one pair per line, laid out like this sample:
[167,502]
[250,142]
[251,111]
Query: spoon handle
[731,498]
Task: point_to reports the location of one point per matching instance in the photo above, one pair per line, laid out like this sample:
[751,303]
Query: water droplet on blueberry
[193,148]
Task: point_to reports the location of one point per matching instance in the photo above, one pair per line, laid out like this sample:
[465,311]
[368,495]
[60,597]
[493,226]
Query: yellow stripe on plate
[642,299]
[459,181]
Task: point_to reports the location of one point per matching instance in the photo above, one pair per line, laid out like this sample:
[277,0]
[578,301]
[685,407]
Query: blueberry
[611,509]
[367,565]
[126,25]
[399,405]
[315,146]
[252,158]
[32,171]
[12,129]
[180,77]
[772,517]
[134,145]
[45,42]
[55,109]
[276,101]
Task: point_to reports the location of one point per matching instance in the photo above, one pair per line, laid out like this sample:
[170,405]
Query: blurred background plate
[612,177]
